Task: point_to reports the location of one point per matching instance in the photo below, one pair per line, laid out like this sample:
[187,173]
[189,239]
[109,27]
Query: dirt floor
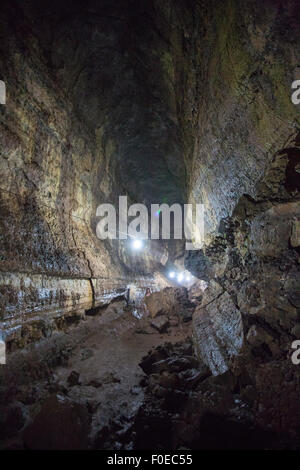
[94,364]
[110,356]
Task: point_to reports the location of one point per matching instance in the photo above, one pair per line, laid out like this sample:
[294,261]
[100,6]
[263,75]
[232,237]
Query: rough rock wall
[232,64]
[254,295]
[54,173]
[110,59]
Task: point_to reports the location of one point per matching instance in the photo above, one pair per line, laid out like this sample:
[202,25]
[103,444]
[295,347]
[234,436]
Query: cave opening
[135,340]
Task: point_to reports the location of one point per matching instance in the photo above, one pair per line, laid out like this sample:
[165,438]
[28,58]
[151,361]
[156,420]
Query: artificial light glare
[137,244]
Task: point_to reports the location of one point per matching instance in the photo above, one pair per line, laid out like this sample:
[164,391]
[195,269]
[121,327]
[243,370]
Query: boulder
[169,301]
[217,332]
[160,323]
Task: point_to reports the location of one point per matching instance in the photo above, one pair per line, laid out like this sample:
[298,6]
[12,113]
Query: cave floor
[94,364]
[110,356]
[114,382]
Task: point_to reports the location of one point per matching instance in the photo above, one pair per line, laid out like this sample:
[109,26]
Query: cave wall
[232,64]
[249,315]
[241,139]
[55,171]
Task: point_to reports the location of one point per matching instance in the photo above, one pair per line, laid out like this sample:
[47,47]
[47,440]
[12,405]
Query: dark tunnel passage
[127,342]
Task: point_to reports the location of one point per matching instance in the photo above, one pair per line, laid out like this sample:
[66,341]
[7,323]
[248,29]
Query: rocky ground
[128,379]
[82,387]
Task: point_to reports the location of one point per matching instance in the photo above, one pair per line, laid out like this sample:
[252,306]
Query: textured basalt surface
[249,315]
[69,142]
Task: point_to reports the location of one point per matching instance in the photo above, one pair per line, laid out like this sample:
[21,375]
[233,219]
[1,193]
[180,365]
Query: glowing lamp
[137,244]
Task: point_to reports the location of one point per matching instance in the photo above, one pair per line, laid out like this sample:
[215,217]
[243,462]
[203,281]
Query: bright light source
[137,244]
[172,274]
[180,277]
[188,278]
